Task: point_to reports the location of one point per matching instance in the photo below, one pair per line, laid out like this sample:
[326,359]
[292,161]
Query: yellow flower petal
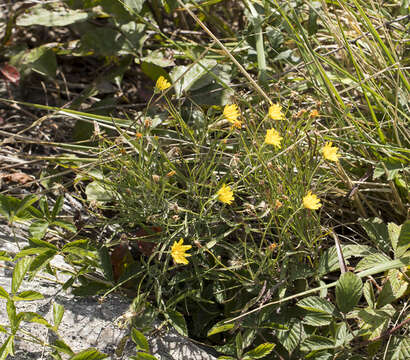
[273,138]
[232,114]
[162,84]
[225,194]
[178,252]
[330,152]
[311,201]
[275,112]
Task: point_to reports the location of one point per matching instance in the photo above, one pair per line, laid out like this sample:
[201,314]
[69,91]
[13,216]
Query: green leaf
[371,260]
[4,256]
[394,232]
[294,337]
[317,304]
[220,327]
[260,351]
[89,354]
[4,294]
[143,356]
[19,272]
[139,340]
[376,321]
[369,294]
[392,289]
[35,318]
[65,225]
[348,291]
[38,228]
[41,261]
[61,346]
[317,319]
[106,264]
[177,321]
[316,343]
[377,232]
[399,348]
[57,207]
[97,192]
[403,243]
[133,5]
[41,60]
[7,348]
[11,312]
[187,79]
[51,15]
[41,243]
[58,313]
[28,295]
[26,203]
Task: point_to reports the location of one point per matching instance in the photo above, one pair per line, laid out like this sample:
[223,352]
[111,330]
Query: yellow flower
[275,112]
[232,113]
[330,152]
[314,113]
[311,201]
[273,138]
[178,252]
[162,84]
[225,194]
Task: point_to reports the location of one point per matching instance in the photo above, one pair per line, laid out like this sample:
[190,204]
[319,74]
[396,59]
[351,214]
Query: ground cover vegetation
[244,166]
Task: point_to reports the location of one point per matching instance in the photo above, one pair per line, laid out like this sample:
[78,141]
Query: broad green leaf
[106,264]
[259,352]
[41,261]
[65,225]
[31,251]
[90,288]
[394,232]
[371,260]
[399,348]
[317,319]
[317,304]
[41,60]
[26,203]
[239,344]
[89,354]
[369,294]
[139,340]
[377,232]
[187,79]
[19,272]
[28,295]
[4,256]
[42,243]
[35,318]
[392,289]
[61,346]
[294,337]
[58,313]
[177,321]
[403,243]
[3,293]
[38,228]
[376,321]
[220,327]
[52,14]
[79,251]
[348,291]
[133,5]
[97,192]
[316,343]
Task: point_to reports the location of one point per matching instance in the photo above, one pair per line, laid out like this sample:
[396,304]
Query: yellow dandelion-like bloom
[273,138]
[314,113]
[162,84]
[311,201]
[330,152]
[275,112]
[232,114]
[178,252]
[225,194]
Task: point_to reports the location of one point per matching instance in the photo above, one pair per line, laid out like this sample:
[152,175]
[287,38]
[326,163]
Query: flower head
[225,194]
[275,112]
[311,201]
[273,138]
[162,84]
[178,252]
[232,114]
[314,113]
[330,152]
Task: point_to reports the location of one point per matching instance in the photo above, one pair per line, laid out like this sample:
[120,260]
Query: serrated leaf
[369,294]
[392,289]
[294,337]
[65,225]
[89,354]
[28,295]
[35,318]
[377,232]
[376,321]
[177,321]
[348,291]
[11,313]
[143,356]
[316,343]
[19,272]
[61,346]
[139,340]
[403,243]
[57,207]
[51,15]
[317,319]
[41,261]
[220,327]
[399,349]
[394,232]
[371,260]
[260,351]
[58,313]
[317,304]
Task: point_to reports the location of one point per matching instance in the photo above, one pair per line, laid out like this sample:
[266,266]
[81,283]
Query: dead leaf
[19,177]
[10,73]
